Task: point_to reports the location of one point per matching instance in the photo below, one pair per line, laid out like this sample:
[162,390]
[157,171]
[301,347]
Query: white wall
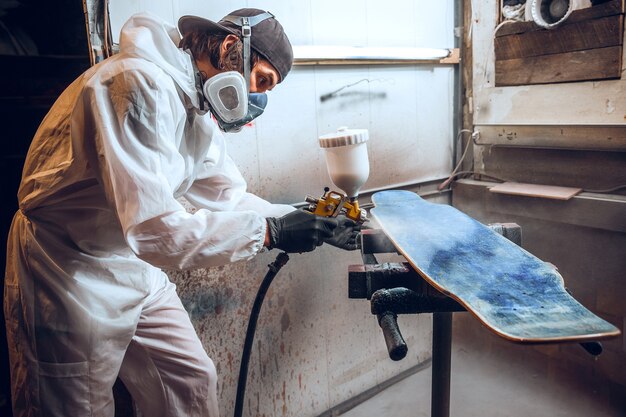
[314,347]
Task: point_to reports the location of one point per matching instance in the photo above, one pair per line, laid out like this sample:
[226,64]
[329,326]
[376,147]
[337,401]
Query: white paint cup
[346,158]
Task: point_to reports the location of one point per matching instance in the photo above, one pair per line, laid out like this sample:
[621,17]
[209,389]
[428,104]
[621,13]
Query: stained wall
[314,347]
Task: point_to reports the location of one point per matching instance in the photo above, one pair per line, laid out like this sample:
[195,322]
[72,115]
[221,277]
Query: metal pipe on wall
[457,110]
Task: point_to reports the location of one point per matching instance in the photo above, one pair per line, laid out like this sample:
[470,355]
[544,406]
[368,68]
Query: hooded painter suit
[98,216]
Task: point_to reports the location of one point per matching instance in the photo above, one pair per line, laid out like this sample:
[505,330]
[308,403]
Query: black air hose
[274,267]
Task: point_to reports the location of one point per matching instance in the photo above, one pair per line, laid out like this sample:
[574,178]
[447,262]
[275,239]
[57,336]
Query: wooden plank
[453,58]
[593,64]
[606,9]
[588,34]
[332,61]
[536,190]
[555,136]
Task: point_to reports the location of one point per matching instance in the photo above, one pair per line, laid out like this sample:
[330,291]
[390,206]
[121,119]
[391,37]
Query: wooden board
[513,293]
[536,190]
[587,34]
[591,64]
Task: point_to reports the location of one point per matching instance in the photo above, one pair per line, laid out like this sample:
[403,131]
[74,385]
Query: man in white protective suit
[85,299]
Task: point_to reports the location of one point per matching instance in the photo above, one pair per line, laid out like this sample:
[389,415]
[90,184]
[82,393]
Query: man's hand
[346,234]
[299,231]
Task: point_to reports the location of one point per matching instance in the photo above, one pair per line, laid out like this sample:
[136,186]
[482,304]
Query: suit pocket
[64,389]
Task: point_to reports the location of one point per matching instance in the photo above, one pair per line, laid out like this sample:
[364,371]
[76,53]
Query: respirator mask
[228,93]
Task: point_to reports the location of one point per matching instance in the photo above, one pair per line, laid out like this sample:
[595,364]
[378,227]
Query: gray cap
[267,38]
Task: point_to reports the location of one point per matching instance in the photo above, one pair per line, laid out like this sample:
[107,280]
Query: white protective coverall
[98,215]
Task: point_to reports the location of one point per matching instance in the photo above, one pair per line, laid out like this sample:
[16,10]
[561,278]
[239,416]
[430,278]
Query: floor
[492,384]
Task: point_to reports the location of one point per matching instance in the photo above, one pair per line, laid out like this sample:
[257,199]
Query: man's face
[263,77]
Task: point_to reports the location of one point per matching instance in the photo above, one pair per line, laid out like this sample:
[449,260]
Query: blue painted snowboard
[513,293]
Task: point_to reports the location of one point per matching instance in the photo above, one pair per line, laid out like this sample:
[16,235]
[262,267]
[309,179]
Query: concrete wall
[584,237]
[315,348]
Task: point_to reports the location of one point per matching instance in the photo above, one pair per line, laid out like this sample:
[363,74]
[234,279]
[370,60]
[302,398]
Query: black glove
[346,234]
[299,231]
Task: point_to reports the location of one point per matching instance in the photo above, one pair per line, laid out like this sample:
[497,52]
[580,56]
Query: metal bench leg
[442,353]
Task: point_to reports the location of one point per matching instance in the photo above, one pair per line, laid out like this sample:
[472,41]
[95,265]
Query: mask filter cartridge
[230,102]
[227,95]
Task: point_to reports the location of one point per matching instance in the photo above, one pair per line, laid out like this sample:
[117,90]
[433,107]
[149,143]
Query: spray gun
[348,167]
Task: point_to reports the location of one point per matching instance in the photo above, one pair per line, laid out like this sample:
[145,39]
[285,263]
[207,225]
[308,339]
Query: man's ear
[228,41]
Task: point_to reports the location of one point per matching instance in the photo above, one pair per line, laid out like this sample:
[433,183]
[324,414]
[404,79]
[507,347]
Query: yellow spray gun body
[334,203]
